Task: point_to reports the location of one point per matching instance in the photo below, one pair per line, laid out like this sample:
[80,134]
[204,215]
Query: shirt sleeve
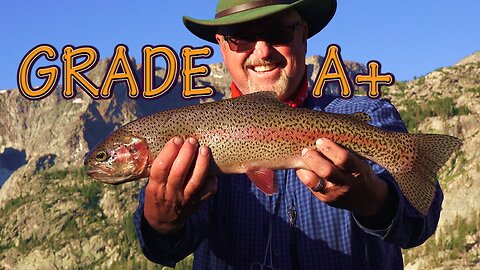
[169,249]
[408,227]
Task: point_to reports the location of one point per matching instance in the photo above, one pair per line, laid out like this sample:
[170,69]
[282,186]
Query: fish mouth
[114,173]
[104,175]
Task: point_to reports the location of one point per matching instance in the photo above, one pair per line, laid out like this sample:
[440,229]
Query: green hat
[317,13]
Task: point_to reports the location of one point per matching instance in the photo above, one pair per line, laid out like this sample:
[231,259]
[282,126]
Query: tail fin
[418,184]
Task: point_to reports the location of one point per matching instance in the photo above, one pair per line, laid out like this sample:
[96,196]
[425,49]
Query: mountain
[54,216]
[447,101]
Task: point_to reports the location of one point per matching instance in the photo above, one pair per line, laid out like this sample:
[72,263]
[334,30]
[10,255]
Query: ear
[304,34]
[221,43]
[219,39]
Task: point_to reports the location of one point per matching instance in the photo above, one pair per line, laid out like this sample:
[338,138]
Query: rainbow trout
[256,134]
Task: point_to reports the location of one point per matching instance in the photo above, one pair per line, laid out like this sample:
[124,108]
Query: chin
[281,87]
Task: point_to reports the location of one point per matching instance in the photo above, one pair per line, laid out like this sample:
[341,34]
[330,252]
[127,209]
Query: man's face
[266,67]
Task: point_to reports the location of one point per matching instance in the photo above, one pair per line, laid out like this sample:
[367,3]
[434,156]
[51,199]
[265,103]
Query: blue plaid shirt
[242,228]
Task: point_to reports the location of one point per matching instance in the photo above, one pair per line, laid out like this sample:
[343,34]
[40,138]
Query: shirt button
[276,252]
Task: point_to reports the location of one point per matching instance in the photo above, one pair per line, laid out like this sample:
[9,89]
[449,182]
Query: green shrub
[402,85]
[414,114]
[475,90]
[55,174]
[420,81]
[445,107]
[13,204]
[451,241]
[129,229]
[91,194]
[26,245]
[80,173]
[70,227]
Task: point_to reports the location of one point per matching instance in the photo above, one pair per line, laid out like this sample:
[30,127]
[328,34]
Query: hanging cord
[292,213]
[268,247]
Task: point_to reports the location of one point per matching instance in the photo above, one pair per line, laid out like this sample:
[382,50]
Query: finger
[181,166]
[311,180]
[163,162]
[197,177]
[323,167]
[308,178]
[341,157]
[209,188]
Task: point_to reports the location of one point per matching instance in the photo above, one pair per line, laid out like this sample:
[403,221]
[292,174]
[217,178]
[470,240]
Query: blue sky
[409,38]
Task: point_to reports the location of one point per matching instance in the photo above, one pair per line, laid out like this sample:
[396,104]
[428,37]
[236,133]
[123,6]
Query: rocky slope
[54,217]
[447,101]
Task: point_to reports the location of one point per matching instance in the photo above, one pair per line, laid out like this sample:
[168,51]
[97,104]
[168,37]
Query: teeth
[263,68]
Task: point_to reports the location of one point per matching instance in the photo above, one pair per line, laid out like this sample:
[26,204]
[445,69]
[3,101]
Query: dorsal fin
[361,116]
[262,97]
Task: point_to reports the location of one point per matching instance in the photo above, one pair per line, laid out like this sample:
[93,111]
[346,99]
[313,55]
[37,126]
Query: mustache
[262,62]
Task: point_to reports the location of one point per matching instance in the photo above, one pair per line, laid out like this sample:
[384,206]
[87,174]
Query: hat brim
[317,14]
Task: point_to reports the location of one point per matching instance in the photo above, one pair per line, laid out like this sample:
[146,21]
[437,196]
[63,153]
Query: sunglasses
[280,36]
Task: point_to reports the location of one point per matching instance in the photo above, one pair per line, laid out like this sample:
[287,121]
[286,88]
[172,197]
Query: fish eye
[101,156]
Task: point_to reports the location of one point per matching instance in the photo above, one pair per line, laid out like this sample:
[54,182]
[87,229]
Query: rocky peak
[473,58]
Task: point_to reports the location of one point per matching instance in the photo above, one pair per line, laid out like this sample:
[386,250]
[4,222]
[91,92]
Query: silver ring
[320,187]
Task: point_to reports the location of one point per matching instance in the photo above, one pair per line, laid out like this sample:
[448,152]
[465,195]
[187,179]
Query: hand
[350,183]
[178,184]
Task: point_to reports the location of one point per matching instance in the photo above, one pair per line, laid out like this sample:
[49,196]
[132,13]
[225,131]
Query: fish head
[119,158]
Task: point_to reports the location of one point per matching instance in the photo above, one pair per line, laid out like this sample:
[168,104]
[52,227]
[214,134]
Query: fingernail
[304,151]
[204,151]
[192,141]
[177,141]
[319,142]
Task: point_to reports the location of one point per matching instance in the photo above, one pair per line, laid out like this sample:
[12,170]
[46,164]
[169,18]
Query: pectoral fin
[264,179]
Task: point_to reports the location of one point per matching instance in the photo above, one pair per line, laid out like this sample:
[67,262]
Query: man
[342,213]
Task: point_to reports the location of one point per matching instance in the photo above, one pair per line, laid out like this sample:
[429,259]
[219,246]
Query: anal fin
[264,179]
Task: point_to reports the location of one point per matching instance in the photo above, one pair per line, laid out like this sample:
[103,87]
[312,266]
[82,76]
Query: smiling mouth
[263,68]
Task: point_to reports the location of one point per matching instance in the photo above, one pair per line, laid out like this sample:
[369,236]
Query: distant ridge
[475,57]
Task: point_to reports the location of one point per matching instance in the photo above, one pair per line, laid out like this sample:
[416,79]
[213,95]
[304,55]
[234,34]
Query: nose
[262,49]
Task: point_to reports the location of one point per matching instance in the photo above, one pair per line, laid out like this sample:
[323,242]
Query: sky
[409,38]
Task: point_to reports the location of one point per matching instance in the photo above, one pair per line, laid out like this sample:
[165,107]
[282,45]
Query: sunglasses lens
[280,36]
[240,44]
